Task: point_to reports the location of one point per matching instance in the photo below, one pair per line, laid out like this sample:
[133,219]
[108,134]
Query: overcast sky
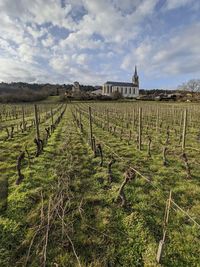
[92,41]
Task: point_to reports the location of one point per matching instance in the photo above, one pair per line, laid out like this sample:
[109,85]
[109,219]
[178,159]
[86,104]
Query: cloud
[171,55]
[81,59]
[59,64]
[6,48]
[93,41]
[173,4]
[36,32]
[48,42]
[12,70]
[110,23]
[37,11]
[80,40]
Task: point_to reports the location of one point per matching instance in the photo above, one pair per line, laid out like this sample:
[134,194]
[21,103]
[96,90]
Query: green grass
[3,192]
[51,100]
[102,233]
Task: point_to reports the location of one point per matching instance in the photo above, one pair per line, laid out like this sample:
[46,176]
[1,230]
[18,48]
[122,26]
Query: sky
[94,41]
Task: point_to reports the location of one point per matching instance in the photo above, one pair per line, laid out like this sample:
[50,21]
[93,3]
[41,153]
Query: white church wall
[126,91]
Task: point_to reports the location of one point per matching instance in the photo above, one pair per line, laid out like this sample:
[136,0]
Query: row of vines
[100,184]
[24,132]
[158,146]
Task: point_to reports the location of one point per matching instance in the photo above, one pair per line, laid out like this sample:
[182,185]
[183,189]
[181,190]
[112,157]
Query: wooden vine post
[165,223]
[140,129]
[184,129]
[149,146]
[37,123]
[51,116]
[110,174]
[107,113]
[76,114]
[90,128]
[23,119]
[80,117]
[133,119]
[157,119]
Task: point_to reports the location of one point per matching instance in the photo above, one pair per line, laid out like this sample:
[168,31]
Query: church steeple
[135,78]
[135,74]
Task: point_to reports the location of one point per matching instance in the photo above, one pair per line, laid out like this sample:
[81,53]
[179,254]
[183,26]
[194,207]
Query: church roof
[120,84]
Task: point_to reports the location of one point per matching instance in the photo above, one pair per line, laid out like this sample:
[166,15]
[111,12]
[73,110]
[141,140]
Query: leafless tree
[192,86]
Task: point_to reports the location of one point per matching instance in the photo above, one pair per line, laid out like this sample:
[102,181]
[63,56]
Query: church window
[130,90]
[126,90]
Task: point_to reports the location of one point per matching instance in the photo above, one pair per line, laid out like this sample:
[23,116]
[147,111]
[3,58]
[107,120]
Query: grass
[102,233]
[3,192]
[51,100]
[10,150]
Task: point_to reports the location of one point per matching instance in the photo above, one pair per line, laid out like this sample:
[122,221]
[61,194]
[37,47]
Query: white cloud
[7,48]
[13,70]
[173,4]
[35,32]
[37,11]
[50,11]
[80,40]
[106,20]
[82,59]
[11,29]
[170,55]
[48,42]
[113,26]
[60,64]
[87,40]
[26,24]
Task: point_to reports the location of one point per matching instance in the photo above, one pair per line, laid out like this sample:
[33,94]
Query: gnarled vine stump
[129,175]
[19,165]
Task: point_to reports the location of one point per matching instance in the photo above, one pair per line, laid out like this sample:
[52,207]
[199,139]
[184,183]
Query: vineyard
[100,184]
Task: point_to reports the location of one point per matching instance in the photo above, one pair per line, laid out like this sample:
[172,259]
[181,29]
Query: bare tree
[192,86]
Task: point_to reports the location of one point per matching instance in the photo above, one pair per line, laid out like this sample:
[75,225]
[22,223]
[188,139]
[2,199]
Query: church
[126,89]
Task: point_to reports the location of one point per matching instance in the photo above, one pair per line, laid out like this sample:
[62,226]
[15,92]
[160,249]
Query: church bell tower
[135,78]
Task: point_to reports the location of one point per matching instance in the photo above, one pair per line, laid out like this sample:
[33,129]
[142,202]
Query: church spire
[135,78]
[135,74]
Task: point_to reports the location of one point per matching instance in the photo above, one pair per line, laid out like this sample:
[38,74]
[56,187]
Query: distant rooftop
[120,84]
[97,92]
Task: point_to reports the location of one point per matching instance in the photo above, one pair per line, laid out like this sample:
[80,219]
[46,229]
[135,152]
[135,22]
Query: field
[100,184]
